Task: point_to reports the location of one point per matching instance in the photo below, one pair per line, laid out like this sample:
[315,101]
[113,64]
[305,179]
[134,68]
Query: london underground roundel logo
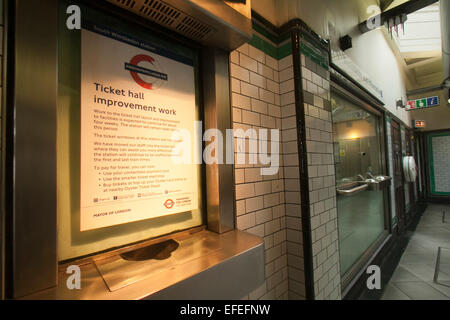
[135,61]
[169,204]
[136,71]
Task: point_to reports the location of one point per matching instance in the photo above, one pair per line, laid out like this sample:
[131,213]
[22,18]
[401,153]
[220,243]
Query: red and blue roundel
[135,70]
[169,204]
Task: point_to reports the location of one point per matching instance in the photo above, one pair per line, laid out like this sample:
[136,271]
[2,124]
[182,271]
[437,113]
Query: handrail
[353,191]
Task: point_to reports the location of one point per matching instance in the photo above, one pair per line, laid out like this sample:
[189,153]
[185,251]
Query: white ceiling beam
[422,54]
[422,63]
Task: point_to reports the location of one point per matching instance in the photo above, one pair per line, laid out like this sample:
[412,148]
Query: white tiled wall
[292,180]
[263,96]
[260,200]
[322,181]
[441,163]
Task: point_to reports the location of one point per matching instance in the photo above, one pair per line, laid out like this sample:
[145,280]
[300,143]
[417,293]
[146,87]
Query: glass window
[357,151]
[72,242]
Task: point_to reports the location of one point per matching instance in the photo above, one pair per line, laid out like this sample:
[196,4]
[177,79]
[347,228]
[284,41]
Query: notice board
[134,95]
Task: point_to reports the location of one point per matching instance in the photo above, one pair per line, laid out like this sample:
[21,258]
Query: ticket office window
[122,92]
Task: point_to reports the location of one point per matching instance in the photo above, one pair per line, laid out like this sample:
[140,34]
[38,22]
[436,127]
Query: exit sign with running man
[422,103]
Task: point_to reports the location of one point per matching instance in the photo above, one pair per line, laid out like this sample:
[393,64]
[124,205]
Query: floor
[413,278]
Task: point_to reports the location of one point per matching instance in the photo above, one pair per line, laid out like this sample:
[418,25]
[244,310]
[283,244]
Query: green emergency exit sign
[422,103]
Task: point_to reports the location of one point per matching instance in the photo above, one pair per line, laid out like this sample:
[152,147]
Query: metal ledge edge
[229,273]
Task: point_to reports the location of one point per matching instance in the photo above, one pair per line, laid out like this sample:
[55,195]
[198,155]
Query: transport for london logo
[136,71]
[169,204]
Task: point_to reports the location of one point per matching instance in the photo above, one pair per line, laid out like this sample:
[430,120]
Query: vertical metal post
[217,106]
[33,224]
[436,268]
[4,23]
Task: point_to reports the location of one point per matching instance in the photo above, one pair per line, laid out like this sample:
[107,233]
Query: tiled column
[439,146]
[264,95]
[322,182]
[260,199]
[292,181]
[321,172]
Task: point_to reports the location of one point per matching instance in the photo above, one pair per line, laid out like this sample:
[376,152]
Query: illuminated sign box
[134,96]
[419,124]
[422,103]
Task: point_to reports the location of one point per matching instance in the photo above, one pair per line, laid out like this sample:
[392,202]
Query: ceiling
[389,4]
[420,45]
[422,31]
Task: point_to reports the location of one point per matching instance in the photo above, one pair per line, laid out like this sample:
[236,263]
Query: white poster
[133,96]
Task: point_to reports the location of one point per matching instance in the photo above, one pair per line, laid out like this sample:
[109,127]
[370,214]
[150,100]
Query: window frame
[36,253]
[359,98]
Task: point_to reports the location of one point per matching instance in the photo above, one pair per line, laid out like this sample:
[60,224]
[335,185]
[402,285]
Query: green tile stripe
[273,46]
[311,39]
[269,43]
[316,58]
[269,49]
[262,31]
[311,48]
[285,36]
[431,158]
[276,39]
[284,51]
[264,46]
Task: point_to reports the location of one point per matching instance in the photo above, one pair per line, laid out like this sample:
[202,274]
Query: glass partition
[357,152]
